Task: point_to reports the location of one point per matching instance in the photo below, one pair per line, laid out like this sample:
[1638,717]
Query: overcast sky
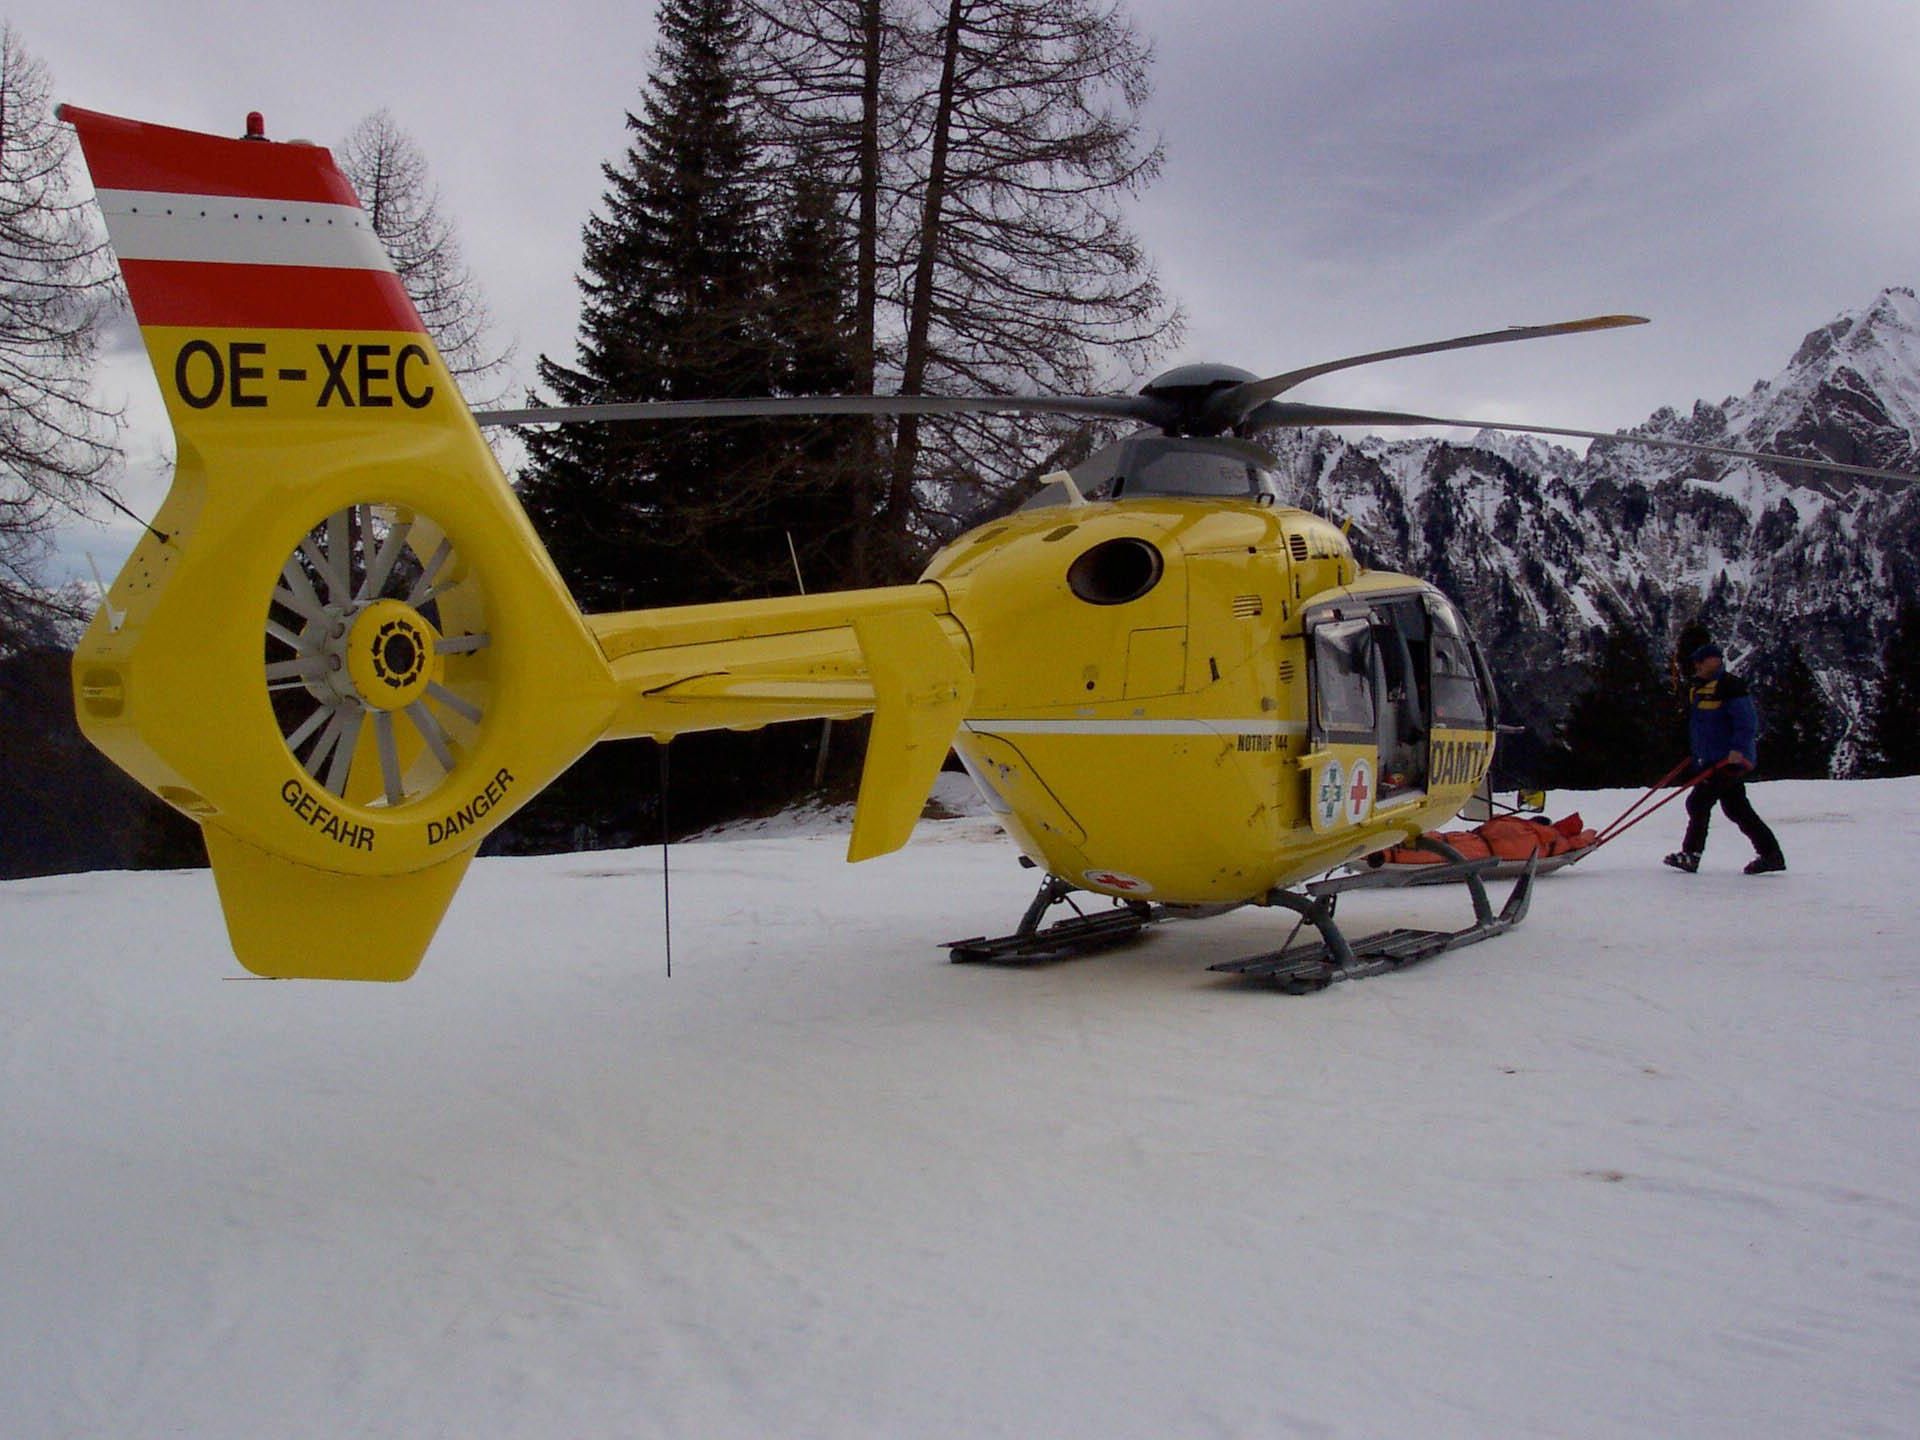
[1340,176]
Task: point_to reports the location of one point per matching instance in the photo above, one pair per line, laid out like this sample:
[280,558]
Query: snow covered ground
[1648,1166]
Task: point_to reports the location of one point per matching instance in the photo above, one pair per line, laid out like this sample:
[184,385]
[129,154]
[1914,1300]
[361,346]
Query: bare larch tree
[389,172]
[57,288]
[984,150]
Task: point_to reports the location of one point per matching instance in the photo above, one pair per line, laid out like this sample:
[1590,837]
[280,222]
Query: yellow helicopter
[342,649]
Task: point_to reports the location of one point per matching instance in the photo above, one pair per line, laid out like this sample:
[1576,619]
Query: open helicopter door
[1461,704]
[1401,633]
[1344,686]
[1368,712]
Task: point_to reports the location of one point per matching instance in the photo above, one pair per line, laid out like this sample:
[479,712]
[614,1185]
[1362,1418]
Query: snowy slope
[1651,1165]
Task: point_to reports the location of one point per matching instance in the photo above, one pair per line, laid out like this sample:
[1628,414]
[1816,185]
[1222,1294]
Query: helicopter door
[1463,694]
[1343,689]
[1402,641]
[1345,685]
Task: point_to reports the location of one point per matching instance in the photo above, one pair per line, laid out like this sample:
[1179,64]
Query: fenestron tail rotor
[375,656]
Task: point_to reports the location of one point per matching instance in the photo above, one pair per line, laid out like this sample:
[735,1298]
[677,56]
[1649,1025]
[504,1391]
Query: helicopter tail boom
[895,652]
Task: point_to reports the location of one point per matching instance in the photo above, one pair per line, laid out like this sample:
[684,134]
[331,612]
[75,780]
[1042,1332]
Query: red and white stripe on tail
[220,233]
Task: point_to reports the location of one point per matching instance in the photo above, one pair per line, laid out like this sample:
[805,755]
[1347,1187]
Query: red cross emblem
[1114,880]
[1357,796]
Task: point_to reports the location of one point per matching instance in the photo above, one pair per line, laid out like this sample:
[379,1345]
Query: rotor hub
[1186,389]
[390,656]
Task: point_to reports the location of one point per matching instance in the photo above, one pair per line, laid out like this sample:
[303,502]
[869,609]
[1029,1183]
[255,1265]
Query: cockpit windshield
[1170,465]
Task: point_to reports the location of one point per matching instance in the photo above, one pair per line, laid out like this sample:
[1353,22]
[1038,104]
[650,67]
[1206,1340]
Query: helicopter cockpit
[1178,467]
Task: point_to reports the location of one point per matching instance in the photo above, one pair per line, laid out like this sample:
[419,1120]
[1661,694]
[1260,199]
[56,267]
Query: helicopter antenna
[826,725]
[794,555]
[666,863]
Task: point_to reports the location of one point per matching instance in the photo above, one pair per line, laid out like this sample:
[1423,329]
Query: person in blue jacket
[1724,730]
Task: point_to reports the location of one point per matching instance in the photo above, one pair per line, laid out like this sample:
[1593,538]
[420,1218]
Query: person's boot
[1689,861]
[1766,864]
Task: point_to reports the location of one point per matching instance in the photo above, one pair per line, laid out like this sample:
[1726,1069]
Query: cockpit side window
[1460,697]
[1343,678]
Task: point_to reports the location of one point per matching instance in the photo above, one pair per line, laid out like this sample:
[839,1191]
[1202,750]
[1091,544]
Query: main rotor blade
[1124,407]
[1278,414]
[1232,406]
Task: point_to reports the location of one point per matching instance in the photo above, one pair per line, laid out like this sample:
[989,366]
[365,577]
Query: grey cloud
[1339,177]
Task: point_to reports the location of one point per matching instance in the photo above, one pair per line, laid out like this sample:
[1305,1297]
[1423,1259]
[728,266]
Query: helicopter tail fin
[340,647]
[921,688]
[289,921]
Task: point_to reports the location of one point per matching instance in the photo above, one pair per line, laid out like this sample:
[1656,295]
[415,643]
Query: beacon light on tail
[343,650]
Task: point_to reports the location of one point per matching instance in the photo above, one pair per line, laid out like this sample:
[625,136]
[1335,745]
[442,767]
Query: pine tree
[674,307]
[57,443]
[823,108]
[1894,726]
[1797,739]
[704,275]
[389,173]
[822,74]
[1618,730]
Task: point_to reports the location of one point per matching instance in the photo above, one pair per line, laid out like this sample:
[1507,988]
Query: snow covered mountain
[1546,548]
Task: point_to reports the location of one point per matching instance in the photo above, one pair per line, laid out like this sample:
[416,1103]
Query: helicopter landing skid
[1062,940]
[1303,969]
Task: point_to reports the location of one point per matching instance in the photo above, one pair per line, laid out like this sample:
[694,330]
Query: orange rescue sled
[1509,840]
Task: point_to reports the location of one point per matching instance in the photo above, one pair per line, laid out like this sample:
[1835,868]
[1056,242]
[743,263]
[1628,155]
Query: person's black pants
[1729,792]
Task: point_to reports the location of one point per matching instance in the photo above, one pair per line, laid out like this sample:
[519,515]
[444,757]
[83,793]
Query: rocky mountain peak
[1891,320]
[1861,369]
[1546,549]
